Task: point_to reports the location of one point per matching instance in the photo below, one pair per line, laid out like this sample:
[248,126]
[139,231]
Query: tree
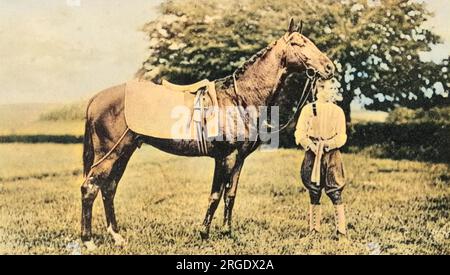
[374,44]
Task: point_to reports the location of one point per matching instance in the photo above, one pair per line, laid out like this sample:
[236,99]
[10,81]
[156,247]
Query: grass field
[394,207]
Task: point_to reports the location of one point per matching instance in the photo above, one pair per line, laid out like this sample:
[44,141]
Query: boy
[321,132]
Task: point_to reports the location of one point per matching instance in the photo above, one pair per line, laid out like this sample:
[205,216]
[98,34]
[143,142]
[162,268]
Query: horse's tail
[88,148]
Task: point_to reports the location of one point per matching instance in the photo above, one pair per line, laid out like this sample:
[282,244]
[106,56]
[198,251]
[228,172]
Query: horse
[109,143]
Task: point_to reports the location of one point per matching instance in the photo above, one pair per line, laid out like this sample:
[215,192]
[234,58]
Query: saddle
[170,111]
[192,88]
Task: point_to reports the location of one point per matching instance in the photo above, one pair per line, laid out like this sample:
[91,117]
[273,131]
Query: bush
[401,115]
[413,141]
[66,113]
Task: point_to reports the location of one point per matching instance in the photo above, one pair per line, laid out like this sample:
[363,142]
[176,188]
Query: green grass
[400,206]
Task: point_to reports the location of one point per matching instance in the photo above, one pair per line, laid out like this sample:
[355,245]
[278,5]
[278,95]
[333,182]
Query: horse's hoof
[204,234]
[119,241]
[90,245]
[226,231]
[341,238]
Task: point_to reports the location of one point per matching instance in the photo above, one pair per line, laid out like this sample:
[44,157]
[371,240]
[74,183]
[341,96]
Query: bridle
[310,71]
[308,89]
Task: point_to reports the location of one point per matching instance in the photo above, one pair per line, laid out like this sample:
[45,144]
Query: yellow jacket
[328,125]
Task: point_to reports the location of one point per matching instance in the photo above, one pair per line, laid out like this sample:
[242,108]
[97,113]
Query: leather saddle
[204,90]
[154,110]
[192,88]
[205,109]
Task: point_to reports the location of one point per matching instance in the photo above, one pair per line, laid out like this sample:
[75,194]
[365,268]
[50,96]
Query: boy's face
[328,90]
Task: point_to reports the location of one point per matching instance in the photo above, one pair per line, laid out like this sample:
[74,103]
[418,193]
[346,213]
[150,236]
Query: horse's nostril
[329,67]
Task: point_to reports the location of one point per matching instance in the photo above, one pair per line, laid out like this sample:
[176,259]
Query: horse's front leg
[230,195]
[222,171]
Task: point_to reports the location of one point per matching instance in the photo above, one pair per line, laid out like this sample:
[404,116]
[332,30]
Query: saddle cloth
[157,111]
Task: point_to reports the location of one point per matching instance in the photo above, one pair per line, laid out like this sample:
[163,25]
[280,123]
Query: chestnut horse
[257,83]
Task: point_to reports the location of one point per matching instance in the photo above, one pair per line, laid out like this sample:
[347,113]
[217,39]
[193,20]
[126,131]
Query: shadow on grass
[438,205]
[62,139]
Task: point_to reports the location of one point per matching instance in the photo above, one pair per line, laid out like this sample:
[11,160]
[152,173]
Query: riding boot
[315,214]
[341,226]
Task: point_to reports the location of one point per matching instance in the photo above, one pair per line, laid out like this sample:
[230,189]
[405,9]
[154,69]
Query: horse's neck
[260,81]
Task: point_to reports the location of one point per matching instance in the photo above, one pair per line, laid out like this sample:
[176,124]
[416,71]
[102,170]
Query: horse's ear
[300,27]
[291,25]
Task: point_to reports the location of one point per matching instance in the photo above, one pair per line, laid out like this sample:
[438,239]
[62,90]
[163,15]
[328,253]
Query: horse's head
[301,53]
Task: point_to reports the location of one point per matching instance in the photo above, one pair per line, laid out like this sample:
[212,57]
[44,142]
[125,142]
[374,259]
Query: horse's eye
[296,44]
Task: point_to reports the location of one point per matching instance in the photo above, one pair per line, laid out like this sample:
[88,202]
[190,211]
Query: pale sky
[58,51]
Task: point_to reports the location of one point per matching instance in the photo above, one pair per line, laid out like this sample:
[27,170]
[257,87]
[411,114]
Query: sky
[67,50]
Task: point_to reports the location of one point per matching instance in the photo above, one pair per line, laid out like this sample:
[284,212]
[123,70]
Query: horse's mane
[141,73]
[241,69]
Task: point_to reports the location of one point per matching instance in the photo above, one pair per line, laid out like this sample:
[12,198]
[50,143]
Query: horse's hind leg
[97,178]
[105,177]
[108,190]
[89,191]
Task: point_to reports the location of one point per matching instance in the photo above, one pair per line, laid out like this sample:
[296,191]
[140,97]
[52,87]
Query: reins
[304,98]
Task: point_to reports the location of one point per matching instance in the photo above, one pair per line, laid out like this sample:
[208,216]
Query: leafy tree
[375,45]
